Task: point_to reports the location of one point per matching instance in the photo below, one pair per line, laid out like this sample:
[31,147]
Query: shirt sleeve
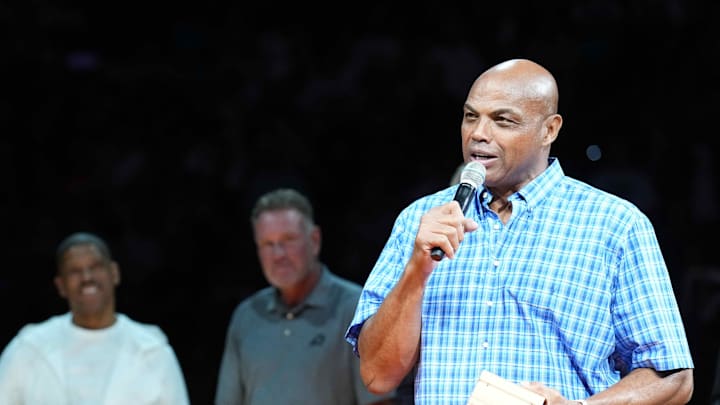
[648,324]
[177,392]
[385,274]
[11,373]
[229,384]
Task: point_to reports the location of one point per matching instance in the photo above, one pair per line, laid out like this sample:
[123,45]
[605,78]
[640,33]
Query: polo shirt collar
[318,297]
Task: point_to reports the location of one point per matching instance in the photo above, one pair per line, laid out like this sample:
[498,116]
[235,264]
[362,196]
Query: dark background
[156,126]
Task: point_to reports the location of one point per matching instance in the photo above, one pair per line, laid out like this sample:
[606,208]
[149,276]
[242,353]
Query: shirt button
[489,303]
[286,332]
[496,226]
[485,345]
[289,315]
[496,263]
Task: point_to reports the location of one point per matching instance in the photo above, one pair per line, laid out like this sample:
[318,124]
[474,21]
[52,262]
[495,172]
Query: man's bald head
[525,79]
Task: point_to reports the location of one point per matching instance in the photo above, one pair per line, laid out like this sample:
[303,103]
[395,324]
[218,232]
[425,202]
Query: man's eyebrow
[503,111]
[499,111]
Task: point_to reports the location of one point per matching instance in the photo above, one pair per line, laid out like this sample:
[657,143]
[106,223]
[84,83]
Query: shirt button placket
[289,316]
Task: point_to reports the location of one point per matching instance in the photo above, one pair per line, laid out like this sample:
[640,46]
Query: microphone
[472,176]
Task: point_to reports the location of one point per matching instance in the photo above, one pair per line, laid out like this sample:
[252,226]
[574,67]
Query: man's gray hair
[280,199]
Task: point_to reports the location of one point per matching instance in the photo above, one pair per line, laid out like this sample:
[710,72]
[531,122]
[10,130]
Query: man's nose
[278,248]
[86,273]
[481,131]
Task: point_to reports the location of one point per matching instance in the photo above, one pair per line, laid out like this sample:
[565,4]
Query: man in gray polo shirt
[285,343]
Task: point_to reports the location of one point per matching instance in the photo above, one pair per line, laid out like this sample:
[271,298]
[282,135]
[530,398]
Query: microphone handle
[437,254]
[462,196]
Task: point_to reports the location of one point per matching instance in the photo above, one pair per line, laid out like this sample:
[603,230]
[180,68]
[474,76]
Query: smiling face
[88,280]
[509,122]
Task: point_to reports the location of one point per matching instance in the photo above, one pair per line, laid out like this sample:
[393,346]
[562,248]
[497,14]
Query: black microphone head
[473,174]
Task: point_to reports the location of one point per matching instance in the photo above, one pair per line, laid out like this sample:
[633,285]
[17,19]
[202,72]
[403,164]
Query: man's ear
[60,286]
[552,127]
[115,271]
[316,235]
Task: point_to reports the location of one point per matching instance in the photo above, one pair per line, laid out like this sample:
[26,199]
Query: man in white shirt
[92,354]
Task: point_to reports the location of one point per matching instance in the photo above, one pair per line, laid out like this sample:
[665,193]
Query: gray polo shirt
[279,355]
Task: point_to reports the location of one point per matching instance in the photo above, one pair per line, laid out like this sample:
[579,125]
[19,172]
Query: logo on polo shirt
[317,340]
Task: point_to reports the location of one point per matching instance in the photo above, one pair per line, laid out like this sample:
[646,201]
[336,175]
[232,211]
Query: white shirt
[56,362]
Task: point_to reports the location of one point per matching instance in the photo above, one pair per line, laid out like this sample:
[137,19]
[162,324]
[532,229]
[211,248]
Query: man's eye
[73,272]
[504,121]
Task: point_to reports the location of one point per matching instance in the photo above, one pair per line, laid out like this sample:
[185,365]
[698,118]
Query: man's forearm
[645,386]
[388,343]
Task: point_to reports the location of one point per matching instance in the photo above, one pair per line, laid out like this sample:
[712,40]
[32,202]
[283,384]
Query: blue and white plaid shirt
[572,292]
